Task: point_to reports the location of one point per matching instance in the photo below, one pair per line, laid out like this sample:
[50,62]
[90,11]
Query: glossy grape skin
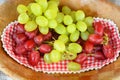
[43,4]
[63,38]
[33,58]
[59,45]
[60,29]
[81,26]
[84,35]
[44,30]
[59,17]
[47,58]
[66,10]
[36,9]
[21,8]
[74,36]
[67,20]
[42,21]
[71,28]
[45,48]
[73,66]
[30,26]
[75,48]
[52,23]
[89,21]
[23,18]
[20,50]
[55,56]
[38,39]
[29,45]
[81,58]
[50,14]
[79,15]
[19,38]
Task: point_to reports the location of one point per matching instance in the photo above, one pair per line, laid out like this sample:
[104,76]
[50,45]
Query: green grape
[73,66]
[42,21]
[69,56]
[71,28]
[74,36]
[84,35]
[59,17]
[64,38]
[50,13]
[36,9]
[72,56]
[47,58]
[52,23]
[22,8]
[54,2]
[72,14]
[66,10]
[60,29]
[55,56]
[43,4]
[23,18]
[30,26]
[81,26]
[53,5]
[59,45]
[89,21]
[74,48]
[90,29]
[67,20]
[44,30]
[79,15]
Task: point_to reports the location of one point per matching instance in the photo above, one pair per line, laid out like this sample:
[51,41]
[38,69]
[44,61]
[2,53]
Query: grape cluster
[56,34]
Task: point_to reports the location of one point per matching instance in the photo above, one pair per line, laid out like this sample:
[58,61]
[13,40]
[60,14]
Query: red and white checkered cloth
[60,67]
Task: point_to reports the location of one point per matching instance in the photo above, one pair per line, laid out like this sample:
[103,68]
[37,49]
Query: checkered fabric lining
[60,67]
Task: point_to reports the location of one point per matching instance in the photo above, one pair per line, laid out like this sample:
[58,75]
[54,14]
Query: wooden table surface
[100,8]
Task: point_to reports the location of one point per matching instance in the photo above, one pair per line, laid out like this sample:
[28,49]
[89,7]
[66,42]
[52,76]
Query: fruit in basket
[45,48]
[95,38]
[57,34]
[99,28]
[73,66]
[33,58]
[108,51]
[81,58]
[88,47]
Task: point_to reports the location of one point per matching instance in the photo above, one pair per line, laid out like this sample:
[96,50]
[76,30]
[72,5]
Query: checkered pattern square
[60,67]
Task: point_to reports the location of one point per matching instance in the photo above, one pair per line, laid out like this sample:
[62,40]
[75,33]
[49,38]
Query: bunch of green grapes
[39,14]
[70,25]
